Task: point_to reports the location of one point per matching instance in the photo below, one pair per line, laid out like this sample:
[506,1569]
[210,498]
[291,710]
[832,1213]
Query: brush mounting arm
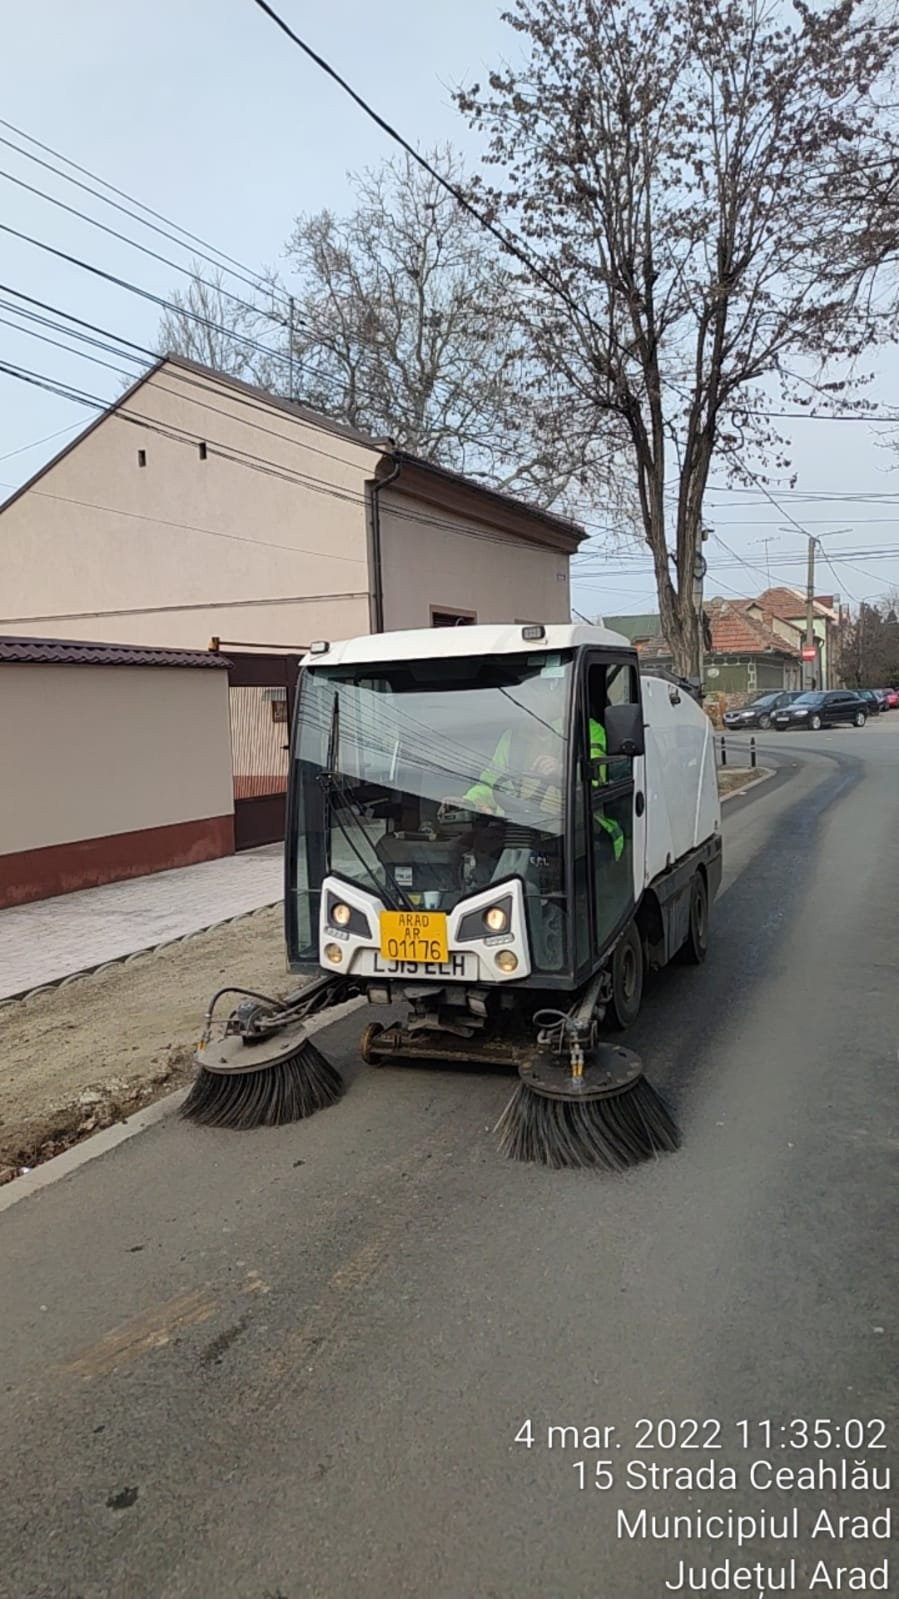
[260,1016]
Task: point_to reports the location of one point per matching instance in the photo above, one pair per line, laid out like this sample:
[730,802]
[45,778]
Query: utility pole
[811,663]
[860,647]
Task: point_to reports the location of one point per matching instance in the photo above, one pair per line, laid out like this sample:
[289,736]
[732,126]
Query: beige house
[198,506]
[119,763]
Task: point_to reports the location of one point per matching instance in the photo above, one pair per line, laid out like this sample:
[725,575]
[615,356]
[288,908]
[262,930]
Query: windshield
[762,699]
[424,781]
[808,699]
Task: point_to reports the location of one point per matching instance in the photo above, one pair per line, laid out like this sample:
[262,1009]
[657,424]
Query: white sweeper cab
[495,831]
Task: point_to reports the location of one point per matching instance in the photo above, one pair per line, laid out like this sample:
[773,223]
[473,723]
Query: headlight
[333,953]
[496,919]
[346,918]
[800,713]
[506,961]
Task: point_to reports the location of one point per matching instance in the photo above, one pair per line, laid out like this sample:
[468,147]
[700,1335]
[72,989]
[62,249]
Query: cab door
[615,798]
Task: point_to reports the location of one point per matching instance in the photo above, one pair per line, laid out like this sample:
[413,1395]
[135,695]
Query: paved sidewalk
[52,938]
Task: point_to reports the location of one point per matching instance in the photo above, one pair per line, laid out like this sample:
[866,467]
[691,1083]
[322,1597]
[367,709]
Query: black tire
[815,723]
[764,723]
[860,718]
[696,944]
[628,972]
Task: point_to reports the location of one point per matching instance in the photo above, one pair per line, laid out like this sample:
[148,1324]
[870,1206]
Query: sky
[206,113]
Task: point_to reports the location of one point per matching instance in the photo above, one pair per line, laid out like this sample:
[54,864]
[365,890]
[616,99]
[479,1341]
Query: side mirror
[624,730]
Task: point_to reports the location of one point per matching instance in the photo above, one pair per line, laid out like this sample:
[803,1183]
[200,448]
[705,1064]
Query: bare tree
[667,162]
[402,320]
[870,646]
[408,326]
[218,328]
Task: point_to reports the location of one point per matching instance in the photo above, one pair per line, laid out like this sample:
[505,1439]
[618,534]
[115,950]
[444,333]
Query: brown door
[262,695]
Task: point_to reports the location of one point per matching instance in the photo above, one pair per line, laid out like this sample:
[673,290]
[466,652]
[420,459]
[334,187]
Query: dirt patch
[734,777]
[92,1053]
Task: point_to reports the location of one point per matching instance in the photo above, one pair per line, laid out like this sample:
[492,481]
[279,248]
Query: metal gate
[262,694]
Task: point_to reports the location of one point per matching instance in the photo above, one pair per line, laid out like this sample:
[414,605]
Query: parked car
[758,712]
[823,708]
[873,701]
[890,698]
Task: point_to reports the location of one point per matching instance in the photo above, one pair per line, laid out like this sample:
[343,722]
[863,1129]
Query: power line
[508,241]
[145,294]
[245,459]
[57,344]
[135,244]
[24,448]
[194,238]
[749,565]
[817,416]
[201,605]
[490,446]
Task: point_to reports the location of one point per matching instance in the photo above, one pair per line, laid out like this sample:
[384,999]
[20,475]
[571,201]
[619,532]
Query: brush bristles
[268,1097]
[615,1132]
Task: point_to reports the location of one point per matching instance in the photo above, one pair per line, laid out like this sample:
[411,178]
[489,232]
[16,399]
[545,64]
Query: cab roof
[433,643]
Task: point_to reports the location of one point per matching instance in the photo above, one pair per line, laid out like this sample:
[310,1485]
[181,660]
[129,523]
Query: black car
[872,700]
[824,708]
[760,711]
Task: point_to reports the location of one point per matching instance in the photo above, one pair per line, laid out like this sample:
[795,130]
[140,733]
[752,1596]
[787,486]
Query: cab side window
[610,799]
[614,683]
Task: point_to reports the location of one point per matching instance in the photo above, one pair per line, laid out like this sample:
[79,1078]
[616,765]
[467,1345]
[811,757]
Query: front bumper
[471,959]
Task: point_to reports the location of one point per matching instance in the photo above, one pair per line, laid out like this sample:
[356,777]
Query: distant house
[747,655]
[784,610]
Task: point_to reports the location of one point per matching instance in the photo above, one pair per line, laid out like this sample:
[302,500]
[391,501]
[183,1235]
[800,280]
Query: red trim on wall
[32,874]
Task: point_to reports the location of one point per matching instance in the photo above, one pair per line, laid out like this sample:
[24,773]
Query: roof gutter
[375,486]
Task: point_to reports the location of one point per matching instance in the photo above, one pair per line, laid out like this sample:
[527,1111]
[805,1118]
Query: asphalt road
[294,1363]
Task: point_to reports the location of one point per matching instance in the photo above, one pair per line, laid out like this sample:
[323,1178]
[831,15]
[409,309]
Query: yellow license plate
[414,936]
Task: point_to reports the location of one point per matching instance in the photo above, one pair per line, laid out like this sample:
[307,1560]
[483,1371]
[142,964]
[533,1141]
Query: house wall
[111,772]
[743,676]
[103,548]
[454,567]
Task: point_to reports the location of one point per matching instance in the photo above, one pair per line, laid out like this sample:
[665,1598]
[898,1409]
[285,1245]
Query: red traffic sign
[809,652]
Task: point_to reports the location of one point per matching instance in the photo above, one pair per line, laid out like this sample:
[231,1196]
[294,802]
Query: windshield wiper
[332,783]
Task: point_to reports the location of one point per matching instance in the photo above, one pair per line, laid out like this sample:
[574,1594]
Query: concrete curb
[59,1166]
[50,1171]
[764,773]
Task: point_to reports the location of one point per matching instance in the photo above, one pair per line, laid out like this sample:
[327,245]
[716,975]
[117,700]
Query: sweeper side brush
[596,1110]
[264,1070]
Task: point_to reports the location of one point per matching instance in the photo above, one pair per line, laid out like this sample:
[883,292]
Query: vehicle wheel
[627,980]
[695,946]
[764,723]
[814,723]
[370,1033]
[860,718]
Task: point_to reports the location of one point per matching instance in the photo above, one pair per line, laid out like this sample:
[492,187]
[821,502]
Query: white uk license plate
[458,967]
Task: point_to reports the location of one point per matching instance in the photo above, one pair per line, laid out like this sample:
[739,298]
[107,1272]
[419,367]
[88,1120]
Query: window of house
[452,618]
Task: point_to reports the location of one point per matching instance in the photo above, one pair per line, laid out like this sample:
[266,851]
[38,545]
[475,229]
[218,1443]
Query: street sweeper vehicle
[493,833]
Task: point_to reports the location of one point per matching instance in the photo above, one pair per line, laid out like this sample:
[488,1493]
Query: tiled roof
[18,651]
[788,605]
[733,633]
